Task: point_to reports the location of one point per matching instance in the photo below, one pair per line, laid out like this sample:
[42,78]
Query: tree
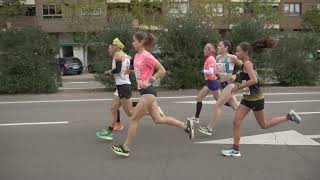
[27,61]
[311,19]
[10,8]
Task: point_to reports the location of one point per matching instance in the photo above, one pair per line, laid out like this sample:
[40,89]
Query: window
[52,12]
[178,6]
[215,8]
[30,11]
[90,11]
[240,9]
[292,9]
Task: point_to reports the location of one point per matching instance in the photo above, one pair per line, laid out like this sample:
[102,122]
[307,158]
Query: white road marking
[303,113]
[81,100]
[276,138]
[169,97]
[317,136]
[34,123]
[267,102]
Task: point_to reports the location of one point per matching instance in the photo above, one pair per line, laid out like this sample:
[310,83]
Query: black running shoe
[120,150]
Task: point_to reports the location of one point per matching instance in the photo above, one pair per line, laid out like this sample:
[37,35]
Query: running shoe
[118,127]
[120,150]
[231,152]
[205,130]
[190,129]
[294,117]
[104,134]
[194,119]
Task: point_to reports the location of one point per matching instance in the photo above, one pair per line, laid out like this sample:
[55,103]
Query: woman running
[122,96]
[225,64]
[212,83]
[253,99]
[226,94]
[144,66]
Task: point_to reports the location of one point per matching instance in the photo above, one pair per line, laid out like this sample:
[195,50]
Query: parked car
[96,67]
[70,65]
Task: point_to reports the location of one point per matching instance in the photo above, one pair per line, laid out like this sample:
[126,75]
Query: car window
[76,60]
[69,61]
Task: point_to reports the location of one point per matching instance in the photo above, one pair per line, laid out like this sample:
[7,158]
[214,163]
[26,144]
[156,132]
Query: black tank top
[253,90]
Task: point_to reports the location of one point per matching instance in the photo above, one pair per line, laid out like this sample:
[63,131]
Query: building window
[292,9]
[178,6]
[215,8]
[52,12]
[31,11]
[89,11]
[240,9]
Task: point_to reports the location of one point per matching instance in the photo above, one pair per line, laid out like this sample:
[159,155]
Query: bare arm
[160,71]
[236,60]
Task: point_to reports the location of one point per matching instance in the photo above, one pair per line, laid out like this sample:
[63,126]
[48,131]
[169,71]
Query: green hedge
[27,63]
[182,51]
[294,59]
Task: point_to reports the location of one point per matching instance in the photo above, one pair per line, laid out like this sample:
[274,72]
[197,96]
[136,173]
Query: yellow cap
[118,43]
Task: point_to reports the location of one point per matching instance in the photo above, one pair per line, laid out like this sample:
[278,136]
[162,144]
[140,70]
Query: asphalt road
[71,151]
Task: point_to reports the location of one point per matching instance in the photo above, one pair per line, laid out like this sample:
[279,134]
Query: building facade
[63,19]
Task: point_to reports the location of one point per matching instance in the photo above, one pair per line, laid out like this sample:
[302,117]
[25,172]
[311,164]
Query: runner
[144,66]
[212,83]
[253,99]
[226,94]
[225,63]
[122,96]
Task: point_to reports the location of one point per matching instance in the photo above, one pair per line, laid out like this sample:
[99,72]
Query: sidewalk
[82,82]
[86,83]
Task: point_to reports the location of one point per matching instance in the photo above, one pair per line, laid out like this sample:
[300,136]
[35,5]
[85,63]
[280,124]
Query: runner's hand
[107,73]
[235,88]
[128,71]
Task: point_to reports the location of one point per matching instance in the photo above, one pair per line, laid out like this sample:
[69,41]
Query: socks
[236,147]
[118,116]
[289,117]
[199,107]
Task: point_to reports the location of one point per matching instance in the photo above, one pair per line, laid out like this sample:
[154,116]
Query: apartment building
[61,20]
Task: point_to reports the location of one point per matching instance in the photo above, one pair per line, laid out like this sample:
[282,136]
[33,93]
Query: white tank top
[122,78]
[225,67]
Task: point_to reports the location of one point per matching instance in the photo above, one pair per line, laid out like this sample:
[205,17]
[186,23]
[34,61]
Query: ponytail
[149,40]
[266,42]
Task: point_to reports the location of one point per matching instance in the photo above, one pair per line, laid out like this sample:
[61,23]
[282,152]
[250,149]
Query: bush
[27,63]
[182,51]
[291,59]
[250,30]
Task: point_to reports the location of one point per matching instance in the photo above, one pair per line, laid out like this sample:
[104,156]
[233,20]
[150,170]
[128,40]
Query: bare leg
[223,98]
[201,95]
[240,114]
[127,106]
[155,114]
[265,122]
[144,102]
[216,94]
[114,109]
